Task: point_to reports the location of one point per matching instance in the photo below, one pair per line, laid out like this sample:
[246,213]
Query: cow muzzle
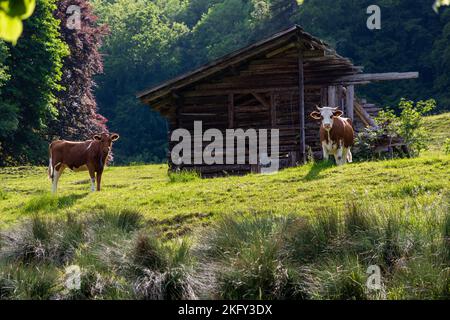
[327,127]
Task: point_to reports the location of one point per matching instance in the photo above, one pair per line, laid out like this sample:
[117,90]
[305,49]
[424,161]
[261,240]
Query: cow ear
[115,137]
[338,113]
[97,137]
[315,115]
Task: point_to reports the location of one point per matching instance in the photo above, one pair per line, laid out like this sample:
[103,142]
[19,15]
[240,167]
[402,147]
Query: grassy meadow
[303,233]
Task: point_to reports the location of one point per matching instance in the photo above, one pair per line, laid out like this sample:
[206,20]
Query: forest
[63,82]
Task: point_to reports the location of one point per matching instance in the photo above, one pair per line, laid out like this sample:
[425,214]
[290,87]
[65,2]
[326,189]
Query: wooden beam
[301,102]
[281,50]
[349,101]
[373,77]
[218,92]
[365,117]
[231,110]
[261,99]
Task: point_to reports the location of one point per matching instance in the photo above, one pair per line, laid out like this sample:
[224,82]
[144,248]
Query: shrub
[408,128]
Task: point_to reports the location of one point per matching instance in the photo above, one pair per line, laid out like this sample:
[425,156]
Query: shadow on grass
[49,202]
[316,169]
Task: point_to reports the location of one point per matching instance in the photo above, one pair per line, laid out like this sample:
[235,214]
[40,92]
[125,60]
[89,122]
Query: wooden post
[340,98]
[301,102]
[350,100]
[231,111]
[273,111]
[177,101]
[323,97]
[332,97]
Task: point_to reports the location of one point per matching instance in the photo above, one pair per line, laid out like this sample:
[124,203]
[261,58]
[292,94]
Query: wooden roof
[320,56]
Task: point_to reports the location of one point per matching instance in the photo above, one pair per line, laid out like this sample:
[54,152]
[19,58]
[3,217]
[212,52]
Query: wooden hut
[272,84]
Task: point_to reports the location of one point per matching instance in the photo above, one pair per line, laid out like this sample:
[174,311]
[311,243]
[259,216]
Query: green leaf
[10,27]
[19,8]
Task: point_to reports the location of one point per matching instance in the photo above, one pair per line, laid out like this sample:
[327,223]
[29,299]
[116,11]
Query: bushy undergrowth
[117,259]
[326,256]
[249,256]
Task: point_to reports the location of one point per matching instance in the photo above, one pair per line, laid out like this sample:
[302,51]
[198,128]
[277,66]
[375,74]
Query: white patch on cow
[349,156]
[56,175]
[93,184]
[327,114]
[50,168]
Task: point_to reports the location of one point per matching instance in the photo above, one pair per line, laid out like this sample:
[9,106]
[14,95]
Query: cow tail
[50,164]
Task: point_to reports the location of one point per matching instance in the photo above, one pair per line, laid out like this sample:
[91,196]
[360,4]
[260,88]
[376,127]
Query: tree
[12,12]
[77,109]
[140,51]
[8,112]
[408,33]
[35,66]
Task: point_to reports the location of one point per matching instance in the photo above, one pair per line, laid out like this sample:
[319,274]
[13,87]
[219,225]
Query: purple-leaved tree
[78,117]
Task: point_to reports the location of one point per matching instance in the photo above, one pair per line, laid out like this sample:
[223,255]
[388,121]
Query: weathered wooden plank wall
[263,93]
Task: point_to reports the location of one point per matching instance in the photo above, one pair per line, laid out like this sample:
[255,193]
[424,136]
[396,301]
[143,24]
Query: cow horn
[317,107]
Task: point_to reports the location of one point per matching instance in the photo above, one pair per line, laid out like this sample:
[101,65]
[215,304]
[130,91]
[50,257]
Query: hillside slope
[438,128]
[178,206]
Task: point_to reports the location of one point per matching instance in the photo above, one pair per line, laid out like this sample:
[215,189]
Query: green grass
[148,190]
[305,232]
[438,128]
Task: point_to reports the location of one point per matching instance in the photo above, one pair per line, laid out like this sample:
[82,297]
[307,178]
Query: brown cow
[88,155]
[336,134]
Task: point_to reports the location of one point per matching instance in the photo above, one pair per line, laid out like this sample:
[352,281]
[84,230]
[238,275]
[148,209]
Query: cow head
[326,115]
[106,140]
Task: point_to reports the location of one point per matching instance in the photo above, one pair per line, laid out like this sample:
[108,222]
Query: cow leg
[92,175]
[344,155]
[56,175]
[349,156]
[99,179]
[339,156]
[326,155]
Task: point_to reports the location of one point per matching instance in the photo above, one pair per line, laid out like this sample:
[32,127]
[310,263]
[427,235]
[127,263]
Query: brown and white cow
[90,155]
[336,134]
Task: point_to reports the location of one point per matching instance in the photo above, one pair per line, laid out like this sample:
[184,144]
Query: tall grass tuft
[342,280]
[42,240]
[147,253]
[28,283]
[129,220]
[446,238]
[245,256]
[183,176]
